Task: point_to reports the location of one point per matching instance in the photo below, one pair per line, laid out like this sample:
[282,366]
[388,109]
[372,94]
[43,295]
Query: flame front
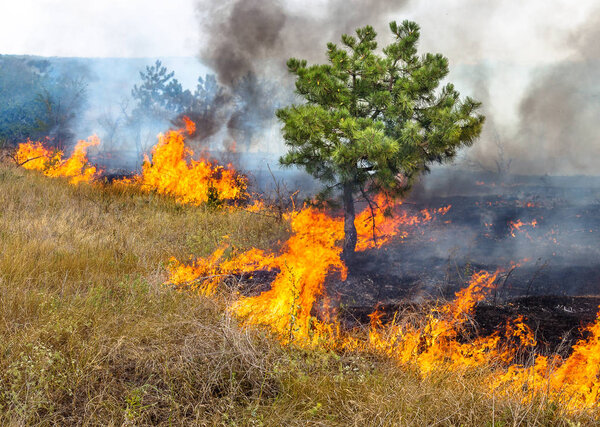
[307,258]
[172,171]
[440,340]
[575,381]
[34,156]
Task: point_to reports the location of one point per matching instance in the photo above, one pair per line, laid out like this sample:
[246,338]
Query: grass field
[89,336]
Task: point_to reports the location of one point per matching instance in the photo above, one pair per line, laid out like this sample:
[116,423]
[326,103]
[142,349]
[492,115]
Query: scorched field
[178,296]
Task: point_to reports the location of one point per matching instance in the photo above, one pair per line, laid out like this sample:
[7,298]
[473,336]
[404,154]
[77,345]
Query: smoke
[243,33]
[559,112]
[247,43]
[550,127]
[252,36]
[558,131]
[557,127]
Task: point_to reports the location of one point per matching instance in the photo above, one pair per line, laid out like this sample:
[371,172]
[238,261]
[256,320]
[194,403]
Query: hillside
[89,335]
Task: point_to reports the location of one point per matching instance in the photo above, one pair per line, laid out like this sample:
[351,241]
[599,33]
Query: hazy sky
[533,63]
[527,31]
[105,28]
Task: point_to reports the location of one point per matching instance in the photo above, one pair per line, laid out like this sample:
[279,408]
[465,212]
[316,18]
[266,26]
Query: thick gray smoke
[247,43]
[250,36]
[557,131]
[241,34]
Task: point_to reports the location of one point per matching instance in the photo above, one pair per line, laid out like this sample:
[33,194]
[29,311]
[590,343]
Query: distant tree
[207,94]
[373,122]
[502,163]
[62,102]
[20,84]
[208,107]
[37,101]
[160,96]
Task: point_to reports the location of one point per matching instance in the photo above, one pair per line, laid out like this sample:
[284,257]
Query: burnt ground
[550,272]
[557,321]
[555,252]
[550,267]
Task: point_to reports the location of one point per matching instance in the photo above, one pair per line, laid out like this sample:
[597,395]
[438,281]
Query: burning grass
[89,334]
[35,156]
[171,170]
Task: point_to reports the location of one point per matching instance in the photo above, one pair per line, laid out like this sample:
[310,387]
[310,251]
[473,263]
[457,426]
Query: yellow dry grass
[89,336]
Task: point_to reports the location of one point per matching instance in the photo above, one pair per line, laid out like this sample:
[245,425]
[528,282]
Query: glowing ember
[517,226]
[376,227]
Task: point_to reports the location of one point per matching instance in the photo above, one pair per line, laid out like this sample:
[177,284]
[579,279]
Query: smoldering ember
[279,212]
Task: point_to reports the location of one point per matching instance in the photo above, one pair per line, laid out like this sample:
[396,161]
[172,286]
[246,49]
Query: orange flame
[437,343]
[172,171]
[190,126]
[312,253]
[308,257]
[517,226]
[574,381]
[34,156]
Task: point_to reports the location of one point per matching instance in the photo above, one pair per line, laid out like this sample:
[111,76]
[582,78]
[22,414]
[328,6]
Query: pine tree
[373,122]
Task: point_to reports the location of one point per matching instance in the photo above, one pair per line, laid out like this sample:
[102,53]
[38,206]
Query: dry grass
[88,336]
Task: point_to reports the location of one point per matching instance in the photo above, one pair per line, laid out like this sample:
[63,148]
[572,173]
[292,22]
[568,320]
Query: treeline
[38,101]
[47,98]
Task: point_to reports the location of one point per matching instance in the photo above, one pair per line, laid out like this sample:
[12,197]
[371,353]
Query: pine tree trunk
[349,227]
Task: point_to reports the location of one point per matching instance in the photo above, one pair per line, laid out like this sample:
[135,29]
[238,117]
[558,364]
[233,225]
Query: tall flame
[312,253]
[441,341]
[574,381]
[172,171]
[34,156]
[307,258]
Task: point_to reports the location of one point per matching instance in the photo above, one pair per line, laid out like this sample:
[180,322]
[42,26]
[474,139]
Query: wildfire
[307,258]
[574,381]
[442,339]
[517,226]
[437,343]
[34,156]
[171,170]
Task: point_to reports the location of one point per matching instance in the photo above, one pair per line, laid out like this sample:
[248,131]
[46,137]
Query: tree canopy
[373,121]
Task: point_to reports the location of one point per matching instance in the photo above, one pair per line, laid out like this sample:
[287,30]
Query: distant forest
[37,100]
[51,98]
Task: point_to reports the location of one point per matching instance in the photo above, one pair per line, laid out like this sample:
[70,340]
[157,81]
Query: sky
[529,32]
[108,28]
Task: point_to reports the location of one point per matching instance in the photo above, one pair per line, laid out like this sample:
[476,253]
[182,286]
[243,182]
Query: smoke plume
[553,131]
[249,41]
[250,36]
[557,128]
